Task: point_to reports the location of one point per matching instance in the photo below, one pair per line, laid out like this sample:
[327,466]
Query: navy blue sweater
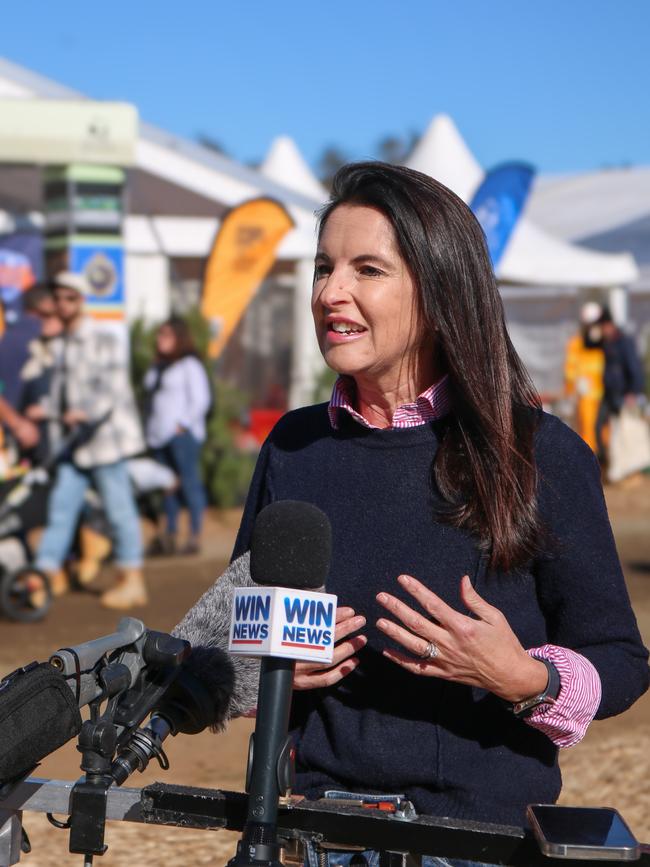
[453,749]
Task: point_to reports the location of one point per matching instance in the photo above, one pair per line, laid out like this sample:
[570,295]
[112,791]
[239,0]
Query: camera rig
[136,674]
[123,678]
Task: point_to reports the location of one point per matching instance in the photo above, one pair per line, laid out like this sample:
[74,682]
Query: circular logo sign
[101,274]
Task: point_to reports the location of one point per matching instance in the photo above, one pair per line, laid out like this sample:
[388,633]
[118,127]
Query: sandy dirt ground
[611,767]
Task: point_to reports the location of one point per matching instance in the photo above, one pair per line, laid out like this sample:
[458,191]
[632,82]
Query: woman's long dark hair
[484,467]
[185,344]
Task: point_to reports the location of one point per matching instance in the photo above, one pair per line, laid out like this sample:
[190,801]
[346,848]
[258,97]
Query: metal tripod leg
[11,835]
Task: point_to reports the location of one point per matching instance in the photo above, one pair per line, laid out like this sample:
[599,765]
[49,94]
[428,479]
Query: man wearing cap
[93,419]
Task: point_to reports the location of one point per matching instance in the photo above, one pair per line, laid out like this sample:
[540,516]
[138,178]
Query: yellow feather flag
[241,257]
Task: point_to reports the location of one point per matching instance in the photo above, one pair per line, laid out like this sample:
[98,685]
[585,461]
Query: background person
[90,396]
[36,372]
[14,341]
[39,313]
[623,378]
[584,369]
[25,431]
[179,400]
[510,626]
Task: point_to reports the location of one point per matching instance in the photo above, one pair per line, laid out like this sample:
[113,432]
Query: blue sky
[563,84]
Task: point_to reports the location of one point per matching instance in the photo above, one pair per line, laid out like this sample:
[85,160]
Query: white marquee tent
[532,255]
[542,276]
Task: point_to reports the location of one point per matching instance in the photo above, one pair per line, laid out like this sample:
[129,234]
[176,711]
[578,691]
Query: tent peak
[285,165]
[443,154]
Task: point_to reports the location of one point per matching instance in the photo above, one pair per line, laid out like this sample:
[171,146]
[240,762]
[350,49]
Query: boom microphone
[211,688]
[40,703]
[231,680]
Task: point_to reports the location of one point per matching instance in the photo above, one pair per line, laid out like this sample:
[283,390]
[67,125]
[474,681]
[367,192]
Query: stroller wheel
[25,595]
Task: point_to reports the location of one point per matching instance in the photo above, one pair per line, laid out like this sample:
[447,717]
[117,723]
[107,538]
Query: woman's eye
[370,271]
[321,271]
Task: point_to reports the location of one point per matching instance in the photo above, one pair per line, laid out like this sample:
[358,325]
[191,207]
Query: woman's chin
[342,366]
[343,359]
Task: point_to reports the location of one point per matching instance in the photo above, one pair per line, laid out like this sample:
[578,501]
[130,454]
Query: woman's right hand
[313,675]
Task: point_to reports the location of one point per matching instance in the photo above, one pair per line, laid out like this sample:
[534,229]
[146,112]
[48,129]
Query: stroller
[25,592]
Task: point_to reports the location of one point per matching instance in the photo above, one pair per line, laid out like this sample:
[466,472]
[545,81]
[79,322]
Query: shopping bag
[629,446]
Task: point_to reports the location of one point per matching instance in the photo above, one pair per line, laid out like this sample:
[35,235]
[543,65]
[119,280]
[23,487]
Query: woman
[179,400]
[496,617]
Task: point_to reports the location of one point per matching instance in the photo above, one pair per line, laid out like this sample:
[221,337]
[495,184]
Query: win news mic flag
[499,202]
[242,255]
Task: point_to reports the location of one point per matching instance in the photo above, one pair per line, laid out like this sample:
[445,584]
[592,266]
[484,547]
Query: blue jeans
[66,501]
[182,454]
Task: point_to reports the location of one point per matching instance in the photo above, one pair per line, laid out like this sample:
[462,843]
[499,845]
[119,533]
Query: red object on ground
[262,422]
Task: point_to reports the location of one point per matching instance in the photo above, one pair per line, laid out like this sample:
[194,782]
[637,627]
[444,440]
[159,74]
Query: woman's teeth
[346,327]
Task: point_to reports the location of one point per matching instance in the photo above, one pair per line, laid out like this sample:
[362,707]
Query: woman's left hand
[478,651]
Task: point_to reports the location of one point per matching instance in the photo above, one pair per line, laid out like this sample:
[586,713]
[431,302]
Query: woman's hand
[313,675]
[479,651]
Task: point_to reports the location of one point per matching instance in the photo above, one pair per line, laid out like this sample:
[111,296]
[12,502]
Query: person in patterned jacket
[91,405]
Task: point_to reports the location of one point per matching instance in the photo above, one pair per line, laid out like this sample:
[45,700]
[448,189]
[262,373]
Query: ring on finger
[430,651]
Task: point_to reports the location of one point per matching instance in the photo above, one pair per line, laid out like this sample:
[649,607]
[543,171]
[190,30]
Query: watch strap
[526,706]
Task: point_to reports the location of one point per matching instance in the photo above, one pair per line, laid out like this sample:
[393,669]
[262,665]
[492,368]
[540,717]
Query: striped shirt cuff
[566,721]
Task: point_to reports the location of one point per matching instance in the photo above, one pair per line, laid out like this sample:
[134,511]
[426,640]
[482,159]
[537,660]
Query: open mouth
[345,329]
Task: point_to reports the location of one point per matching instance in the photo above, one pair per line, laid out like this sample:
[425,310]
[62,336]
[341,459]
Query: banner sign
[21,263]
[21,256]
[278,621]
[243,253]
[498,203]
[103,268]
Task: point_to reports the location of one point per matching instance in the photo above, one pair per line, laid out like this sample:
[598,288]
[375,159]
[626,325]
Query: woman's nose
[332,292]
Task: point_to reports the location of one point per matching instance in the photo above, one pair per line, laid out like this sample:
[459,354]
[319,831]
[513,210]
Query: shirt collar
[432,404]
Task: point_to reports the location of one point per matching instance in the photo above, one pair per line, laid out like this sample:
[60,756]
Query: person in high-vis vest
[584,370]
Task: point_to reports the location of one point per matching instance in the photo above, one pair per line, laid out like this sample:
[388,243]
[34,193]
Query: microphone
[211,688]
[290,546]
[290,554]
[231,680]
[40,703]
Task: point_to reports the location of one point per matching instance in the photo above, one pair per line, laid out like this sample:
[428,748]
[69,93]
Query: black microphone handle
[259,844]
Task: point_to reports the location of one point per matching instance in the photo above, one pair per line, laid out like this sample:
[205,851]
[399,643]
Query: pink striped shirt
[428,406]
[565,721]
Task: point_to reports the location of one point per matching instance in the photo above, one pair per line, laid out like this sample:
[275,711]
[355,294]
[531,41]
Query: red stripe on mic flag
[306,646]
